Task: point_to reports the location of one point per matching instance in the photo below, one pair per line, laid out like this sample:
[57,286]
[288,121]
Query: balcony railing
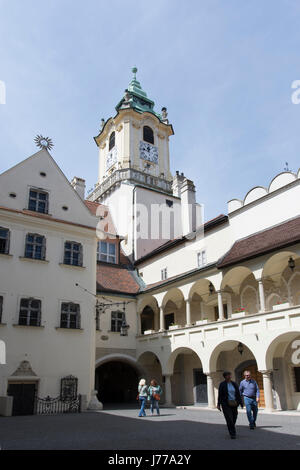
[130,174]
[285,317]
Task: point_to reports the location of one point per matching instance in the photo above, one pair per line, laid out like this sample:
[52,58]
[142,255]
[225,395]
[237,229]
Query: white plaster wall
[120,203]
[274,209]
[184,258]
[20,178]
[53,353]
[114,340]
[147,205]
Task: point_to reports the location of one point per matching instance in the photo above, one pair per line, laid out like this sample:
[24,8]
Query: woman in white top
[143,393]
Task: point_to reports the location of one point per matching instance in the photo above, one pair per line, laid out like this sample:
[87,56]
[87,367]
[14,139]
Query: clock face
[111,158]
[148,152]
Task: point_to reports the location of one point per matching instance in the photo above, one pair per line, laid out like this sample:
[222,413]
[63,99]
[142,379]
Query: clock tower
[134,166]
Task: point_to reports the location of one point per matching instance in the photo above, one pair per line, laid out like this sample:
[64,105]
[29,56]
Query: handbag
[156,396]
[232,403]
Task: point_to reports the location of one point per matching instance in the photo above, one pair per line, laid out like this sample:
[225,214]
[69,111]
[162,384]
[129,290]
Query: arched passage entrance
[235,357]
[188,382]
[116,379]
[283,359]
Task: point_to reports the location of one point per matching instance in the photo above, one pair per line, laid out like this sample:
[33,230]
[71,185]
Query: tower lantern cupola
[134,144]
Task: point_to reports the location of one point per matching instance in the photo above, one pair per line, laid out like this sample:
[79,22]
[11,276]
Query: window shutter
[65,258]
[78,317]
[80,255]
[44,248]
[7,242]
[47,204]
[26,241]
[39,314]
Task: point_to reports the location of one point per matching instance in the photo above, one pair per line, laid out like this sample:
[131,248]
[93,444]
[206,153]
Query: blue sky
[224,70]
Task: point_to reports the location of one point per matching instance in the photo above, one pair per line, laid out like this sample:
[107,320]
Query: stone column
[94,404]
[261,296]
[229,306]
[161,319]
[220,306]
[268,390]
[188,312]
[168,390]
[210,391]
[201,310]
[138,324]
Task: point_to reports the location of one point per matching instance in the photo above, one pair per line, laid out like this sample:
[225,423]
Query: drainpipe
[133,221]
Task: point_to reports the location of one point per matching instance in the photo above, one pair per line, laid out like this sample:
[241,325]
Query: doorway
[116,382]
[23,397]
[200,387]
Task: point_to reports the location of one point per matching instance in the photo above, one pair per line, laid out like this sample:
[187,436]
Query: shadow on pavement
[103,430]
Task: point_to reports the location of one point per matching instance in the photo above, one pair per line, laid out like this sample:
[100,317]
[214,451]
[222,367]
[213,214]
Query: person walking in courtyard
[229,399]
[250,393]
[142,396]
[154,392]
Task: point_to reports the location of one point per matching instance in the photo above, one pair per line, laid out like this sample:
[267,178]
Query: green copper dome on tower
[136,98]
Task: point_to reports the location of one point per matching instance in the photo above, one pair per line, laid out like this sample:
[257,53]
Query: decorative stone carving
[94,404]
[24,370]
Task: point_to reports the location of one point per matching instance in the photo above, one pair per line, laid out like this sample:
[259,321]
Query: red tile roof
[92,206]
[116,278]
[107,224]
[262,242]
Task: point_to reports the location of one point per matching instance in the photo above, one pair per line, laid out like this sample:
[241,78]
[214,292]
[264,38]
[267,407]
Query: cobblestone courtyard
[120,429]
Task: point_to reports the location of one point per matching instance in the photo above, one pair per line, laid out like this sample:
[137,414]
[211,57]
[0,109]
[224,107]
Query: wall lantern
[124,328]
[291,263]
[211,288]
[240,348]
[101,307]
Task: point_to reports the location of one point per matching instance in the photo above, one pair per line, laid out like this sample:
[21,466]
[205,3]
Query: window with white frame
[106,252]
[1,307]
[30,312]
[73,254]
[164,274]
[201,258]
[117,319]
[35,246]
[70,315]
[38,201]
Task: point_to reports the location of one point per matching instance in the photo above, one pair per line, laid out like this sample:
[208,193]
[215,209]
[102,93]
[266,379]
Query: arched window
[111,140]
[148,135]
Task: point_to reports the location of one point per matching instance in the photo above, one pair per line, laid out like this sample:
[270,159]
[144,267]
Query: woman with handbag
[142,396]
[229,399]
[154,392]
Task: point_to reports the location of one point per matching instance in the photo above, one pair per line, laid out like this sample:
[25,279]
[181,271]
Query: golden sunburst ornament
[43,142]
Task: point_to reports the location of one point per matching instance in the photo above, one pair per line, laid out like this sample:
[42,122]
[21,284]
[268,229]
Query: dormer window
[112,139]
[148,135]
[106,252]
[38,201]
